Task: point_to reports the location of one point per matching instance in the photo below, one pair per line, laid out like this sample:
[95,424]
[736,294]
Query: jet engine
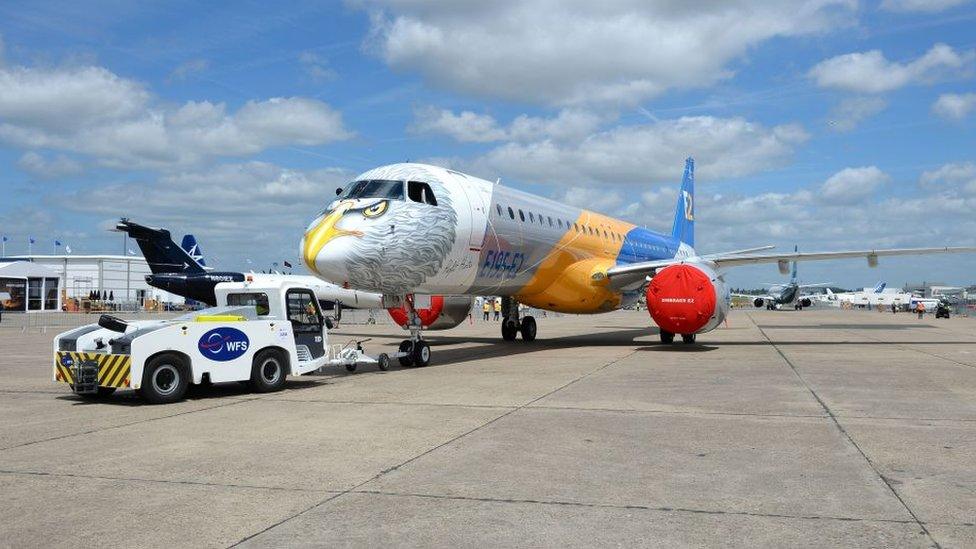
[759,302]
[445,312]
[806,302]
[687,298]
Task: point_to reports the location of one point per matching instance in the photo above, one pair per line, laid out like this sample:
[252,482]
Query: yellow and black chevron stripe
[113,370]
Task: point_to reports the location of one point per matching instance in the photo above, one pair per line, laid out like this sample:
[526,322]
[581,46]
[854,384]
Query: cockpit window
[419,191]
[374,188]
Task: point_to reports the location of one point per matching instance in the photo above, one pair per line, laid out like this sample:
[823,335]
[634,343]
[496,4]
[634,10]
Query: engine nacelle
[806,302]
[759,302]
[687,298]
[445,312]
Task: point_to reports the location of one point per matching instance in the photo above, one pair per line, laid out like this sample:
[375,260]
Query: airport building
[117,278]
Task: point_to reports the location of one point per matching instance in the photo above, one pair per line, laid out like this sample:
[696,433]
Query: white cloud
[954,106]
[467,126]
[251,209]
[316,66]
[723,147]
[871,72]
[92,111]
[188,68]
[558,53]
[854,110]
[48,168]
[852,185]
[924,6]
[952,178]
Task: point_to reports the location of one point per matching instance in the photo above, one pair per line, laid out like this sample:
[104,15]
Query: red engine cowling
[445,312]
[687,299]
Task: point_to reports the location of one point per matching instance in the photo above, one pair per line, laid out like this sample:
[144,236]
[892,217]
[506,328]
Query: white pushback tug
[260,332]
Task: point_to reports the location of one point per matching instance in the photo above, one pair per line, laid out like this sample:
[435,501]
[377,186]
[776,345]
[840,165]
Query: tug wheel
[406,360]
[268,371]
[165,379]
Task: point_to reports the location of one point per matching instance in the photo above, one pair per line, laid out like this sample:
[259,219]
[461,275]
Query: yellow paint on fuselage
[563,281]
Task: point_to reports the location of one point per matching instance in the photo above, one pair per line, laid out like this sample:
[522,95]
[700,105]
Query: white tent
[26,286]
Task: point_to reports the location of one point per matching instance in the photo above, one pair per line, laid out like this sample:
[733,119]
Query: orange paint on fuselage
[563,281]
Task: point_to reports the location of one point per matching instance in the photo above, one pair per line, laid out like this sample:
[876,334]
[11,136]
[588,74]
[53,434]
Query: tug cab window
[254,299]
[419,191]
[303,311]
[373,188]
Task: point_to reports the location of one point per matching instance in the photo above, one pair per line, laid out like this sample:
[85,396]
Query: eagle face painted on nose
[387,246]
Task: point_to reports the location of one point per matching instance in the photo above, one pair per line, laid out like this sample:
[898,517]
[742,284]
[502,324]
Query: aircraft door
[479,200]
[306,321]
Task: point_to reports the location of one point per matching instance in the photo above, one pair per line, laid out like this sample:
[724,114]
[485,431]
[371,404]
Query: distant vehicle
[784,295]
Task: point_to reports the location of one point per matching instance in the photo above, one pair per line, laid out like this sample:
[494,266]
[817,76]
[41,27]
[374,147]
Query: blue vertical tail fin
[191,247]
[683,229]
[793,274]
[880,287]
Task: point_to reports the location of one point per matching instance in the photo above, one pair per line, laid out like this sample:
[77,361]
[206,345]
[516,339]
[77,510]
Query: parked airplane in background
[175,270]
[782,295]
[408,229]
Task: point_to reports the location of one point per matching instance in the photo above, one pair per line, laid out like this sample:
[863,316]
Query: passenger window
[550,221]
[531,218]
[560,223]
[522,216]
[511,213]
[257,300]
[419,191]
[499,207]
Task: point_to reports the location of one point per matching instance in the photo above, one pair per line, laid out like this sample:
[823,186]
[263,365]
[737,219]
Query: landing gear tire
[688,339]
[351,367]
[667,337]
[406,346]
[421,354]
[528,329]
[268,371]
[509,331]
[165,380]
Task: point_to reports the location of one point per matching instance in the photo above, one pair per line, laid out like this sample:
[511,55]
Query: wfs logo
[67,361]
[223,344]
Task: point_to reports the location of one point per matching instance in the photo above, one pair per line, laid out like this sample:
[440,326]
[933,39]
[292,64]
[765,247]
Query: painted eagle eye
[375,210]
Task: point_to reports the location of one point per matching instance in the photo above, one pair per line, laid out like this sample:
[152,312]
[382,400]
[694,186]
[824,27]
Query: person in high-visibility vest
[498,308]
[921,309]
[486,307]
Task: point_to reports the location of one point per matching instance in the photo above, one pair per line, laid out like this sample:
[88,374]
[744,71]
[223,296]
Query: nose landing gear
[512,324]
[414,351]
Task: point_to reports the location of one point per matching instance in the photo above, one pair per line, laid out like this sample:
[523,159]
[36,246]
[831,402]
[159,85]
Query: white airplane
[410,229]
[782,295]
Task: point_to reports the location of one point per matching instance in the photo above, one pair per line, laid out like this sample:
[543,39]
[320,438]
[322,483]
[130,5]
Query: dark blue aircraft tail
[684,213]
[162,254]
[191,247]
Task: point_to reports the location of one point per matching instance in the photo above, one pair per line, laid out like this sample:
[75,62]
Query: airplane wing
[817,285]
[724,260]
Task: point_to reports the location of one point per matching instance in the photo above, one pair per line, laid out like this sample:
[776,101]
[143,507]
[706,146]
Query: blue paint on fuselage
[642,244]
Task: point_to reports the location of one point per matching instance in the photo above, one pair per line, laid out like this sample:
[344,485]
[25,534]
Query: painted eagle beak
[324,231]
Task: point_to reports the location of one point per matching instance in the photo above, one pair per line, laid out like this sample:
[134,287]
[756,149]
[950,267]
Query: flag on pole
[57,242]
[131,252]
[4,238]
[287,264]
[30,239]
[67,249]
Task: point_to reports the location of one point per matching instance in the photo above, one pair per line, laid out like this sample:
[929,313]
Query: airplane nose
[323,250]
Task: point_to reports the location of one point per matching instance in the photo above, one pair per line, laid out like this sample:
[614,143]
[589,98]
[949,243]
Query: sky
[826,124]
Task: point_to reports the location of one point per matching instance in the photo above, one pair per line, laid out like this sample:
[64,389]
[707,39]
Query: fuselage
[413,228]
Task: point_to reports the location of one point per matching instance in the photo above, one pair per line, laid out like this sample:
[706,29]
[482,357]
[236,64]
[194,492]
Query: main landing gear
[512,325]
[414,351]
[668,337]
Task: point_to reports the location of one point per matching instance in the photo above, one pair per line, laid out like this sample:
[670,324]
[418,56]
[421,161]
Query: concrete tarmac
[814,428]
